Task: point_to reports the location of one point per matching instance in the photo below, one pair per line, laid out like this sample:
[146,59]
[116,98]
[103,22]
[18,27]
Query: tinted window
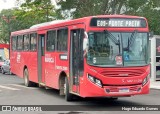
[62,39]
[33,41]
[14,42]
[20,43]
[26,42]
[51,36]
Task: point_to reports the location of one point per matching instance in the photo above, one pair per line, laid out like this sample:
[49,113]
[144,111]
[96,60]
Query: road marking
[10,88]
[23,86]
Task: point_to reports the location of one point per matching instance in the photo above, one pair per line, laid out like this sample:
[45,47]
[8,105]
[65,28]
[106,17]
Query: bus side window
[14,42]
[62,39]
[33,42]
[51,36]
[26,42]
[20,43]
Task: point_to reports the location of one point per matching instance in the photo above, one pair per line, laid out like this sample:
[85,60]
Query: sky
[7,4]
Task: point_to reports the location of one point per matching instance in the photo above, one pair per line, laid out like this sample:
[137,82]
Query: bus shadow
[92,101]
[100,102]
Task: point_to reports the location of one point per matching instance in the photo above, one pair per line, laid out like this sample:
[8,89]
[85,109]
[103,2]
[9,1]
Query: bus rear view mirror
[85,44]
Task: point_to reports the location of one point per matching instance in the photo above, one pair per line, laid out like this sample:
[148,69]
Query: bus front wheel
[68,96]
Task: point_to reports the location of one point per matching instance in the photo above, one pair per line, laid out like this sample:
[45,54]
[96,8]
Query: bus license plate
[123,90]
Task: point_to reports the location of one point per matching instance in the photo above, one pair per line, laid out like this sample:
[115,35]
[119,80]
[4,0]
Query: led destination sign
[117,22]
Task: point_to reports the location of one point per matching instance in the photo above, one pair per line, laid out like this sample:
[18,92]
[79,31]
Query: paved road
[13,92]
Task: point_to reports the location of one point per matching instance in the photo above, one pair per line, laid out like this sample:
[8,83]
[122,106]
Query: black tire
[68,96]
[3,71]
[27,83]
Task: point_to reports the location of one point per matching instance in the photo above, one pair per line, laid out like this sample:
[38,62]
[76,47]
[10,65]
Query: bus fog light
[95,80]
[145,80]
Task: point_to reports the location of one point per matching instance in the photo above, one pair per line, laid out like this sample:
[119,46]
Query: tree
[29,13]
[8,24]
[81,8]
[34,12]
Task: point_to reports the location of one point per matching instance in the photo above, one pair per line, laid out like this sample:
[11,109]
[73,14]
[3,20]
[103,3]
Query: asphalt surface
[13,92]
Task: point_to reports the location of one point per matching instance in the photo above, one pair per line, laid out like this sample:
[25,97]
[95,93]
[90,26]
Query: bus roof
[58,23]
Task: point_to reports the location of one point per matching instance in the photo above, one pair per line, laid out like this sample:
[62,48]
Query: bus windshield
[132,46]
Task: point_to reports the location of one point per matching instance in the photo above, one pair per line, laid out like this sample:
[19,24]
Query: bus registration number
[123,90]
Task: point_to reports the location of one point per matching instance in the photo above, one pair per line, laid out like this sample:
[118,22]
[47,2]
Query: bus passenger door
[41,49]
[76,58]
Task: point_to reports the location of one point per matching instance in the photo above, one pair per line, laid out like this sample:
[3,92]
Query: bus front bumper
[92,90]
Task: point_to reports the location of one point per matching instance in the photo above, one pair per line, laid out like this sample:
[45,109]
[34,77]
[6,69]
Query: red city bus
[95,56]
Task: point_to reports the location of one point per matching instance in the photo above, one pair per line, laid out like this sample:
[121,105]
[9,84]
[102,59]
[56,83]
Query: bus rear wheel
[68,96]
[26,79]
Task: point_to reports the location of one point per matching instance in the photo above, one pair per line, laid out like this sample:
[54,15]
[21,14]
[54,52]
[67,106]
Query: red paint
[113,79]
[4,46]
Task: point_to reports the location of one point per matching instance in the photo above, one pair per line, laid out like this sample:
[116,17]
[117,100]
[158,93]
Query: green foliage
[31,12]
[35,12]
[7,21]
[80,8]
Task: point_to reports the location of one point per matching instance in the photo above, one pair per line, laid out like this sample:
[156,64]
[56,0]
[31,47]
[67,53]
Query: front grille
[116,89]
[123,73]
[122,84]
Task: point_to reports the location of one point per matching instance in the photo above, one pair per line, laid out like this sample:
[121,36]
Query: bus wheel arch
[26,77]
[64,86]
[62,77]
[25,67]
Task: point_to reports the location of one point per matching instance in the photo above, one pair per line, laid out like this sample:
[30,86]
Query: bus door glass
[76,57]
[41,58]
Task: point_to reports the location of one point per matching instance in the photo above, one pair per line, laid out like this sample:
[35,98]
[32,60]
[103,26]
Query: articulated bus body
[96,56]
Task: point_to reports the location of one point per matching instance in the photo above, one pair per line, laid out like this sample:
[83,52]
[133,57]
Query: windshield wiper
[131,39]
[115,41]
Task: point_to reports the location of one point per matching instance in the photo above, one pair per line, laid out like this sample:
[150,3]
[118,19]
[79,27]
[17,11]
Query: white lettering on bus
[101,23]
[116,23]
[61,67]
[49,60]
[18,57]
[124,23]
[132,23]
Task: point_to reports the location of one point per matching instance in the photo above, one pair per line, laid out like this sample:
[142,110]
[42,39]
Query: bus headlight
[95,80]
[146,80]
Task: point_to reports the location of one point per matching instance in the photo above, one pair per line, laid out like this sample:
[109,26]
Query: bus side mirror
[85,44]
